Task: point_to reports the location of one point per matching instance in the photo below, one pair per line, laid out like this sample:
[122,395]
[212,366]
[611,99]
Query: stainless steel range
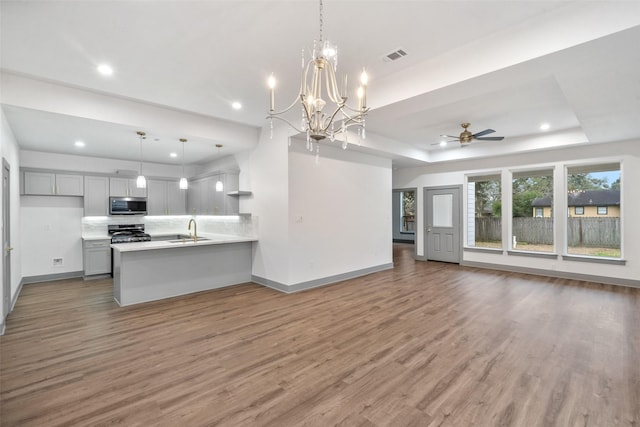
[128,233]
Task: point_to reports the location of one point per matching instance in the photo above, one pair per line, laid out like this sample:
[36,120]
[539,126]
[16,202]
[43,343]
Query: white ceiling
[503,65]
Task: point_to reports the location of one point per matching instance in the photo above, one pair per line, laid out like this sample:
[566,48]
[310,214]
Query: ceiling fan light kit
[466,137]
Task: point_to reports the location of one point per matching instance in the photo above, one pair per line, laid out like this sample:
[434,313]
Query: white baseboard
[303,286]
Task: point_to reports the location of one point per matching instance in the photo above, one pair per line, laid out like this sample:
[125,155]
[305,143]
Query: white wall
[453,173]
[268,168]
[51,227]
[9,151]
[339,213]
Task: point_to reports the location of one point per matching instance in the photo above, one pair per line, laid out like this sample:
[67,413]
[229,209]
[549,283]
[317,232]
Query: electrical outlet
[58,262]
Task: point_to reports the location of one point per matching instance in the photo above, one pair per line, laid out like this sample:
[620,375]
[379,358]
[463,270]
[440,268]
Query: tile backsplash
[231,225]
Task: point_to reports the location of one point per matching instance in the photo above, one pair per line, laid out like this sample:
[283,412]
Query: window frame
[575,210]
[539,170]
[604,165]
[606,210]
[472,178]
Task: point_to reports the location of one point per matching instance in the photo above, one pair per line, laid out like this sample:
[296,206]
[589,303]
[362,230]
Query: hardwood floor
[424,344]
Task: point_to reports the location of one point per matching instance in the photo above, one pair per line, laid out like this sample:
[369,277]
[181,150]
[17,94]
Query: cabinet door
[231,203]
[176,199]
[216,198]
[134,191]
[96,196]
[193,197]
[69,185]
[156,197]
[39,183]
[97,257]
[119,187]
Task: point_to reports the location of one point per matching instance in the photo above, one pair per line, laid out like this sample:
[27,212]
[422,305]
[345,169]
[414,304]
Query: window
[595,188]
[484,211]
[579,210]
[408,211]
[532,211]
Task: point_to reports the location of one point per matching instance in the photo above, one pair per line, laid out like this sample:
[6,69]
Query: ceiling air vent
[395,55]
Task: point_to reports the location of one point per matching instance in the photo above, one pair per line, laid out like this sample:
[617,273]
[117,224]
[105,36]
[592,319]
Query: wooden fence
[595,232]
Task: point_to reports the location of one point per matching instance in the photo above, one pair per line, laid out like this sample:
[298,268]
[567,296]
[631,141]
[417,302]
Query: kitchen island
[149,271]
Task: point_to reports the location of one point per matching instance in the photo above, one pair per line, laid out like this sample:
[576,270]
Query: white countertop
[97,237]
[212,239]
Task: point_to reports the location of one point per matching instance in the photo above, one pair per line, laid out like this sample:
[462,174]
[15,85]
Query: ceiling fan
[466,137]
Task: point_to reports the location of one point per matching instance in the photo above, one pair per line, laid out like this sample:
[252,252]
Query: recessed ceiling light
[236,105]
[443,143]
[79,144]
[174,154]
[105,70]
[545,126]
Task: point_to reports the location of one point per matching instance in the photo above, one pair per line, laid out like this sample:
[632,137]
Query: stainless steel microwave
[127,205]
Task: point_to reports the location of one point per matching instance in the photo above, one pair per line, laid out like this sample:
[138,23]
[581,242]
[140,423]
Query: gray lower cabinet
[53,184]
[96,195]
[96,256]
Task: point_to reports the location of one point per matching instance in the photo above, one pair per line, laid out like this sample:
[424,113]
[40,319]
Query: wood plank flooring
[424,344]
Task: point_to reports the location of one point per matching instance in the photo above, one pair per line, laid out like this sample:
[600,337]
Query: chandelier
[325,113]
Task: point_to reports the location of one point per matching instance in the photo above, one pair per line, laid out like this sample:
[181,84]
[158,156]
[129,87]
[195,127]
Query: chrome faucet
[195,229]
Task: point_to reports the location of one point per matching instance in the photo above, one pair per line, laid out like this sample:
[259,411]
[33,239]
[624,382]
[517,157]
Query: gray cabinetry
[125,187]
[176,199]
[205,199]
[165,198]
[195,197]
[96,195]
[96,256]
[52,184]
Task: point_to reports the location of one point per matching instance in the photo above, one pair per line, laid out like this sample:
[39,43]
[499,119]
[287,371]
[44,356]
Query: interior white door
[442,232]
[6,239]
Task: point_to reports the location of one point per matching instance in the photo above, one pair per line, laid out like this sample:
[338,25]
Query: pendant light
[141,181]
[184,185]
[219,184]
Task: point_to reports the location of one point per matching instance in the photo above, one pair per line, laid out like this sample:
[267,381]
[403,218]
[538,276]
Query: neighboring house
[591,203]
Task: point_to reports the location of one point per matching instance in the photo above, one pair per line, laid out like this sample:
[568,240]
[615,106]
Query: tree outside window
[484,213]
[532,211]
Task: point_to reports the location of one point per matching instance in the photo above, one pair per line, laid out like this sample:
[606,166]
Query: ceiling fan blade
[450,136]
[484,132]
[491,138]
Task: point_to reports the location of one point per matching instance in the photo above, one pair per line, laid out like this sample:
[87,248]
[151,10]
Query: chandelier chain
[321,22]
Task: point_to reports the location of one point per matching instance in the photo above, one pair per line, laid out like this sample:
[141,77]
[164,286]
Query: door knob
[9,248]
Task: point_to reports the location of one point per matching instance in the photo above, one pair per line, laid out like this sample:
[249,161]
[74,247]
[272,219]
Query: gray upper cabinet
[125,187]
[193,197]
[204,199]
[96,195]
[52,184]
[165,198]
[156,197]
[176,199]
